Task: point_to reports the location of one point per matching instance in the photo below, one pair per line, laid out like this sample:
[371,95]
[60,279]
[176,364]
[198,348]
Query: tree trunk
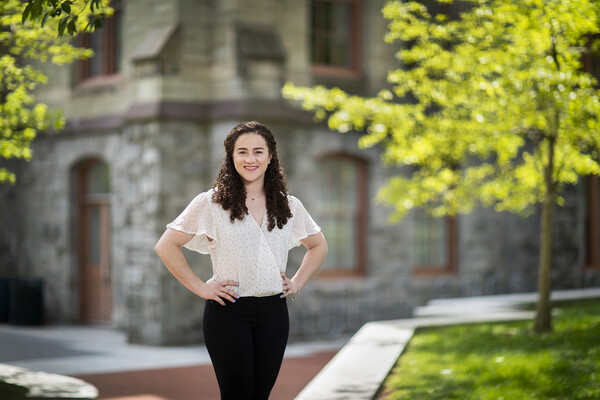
[543,318]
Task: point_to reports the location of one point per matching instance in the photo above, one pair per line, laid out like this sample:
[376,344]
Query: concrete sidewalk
[123,371]
[101,356]
[358,370]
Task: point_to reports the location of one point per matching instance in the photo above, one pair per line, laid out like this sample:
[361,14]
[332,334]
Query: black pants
[246,341]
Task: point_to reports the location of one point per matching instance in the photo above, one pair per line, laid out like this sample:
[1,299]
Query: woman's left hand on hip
[290,287]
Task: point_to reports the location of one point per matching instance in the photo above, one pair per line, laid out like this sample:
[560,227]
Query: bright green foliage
[475,103]
[21,117]
[503,361]
[71,15]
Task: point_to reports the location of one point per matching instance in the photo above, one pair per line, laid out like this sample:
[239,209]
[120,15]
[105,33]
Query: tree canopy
[492,105]
[24,45]
[72,15]
[473,101]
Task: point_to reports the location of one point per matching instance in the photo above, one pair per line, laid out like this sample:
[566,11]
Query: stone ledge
[356,371]
[22,384]
[360,367]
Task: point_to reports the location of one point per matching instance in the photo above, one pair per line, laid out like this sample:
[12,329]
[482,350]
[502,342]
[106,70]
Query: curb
[358,370]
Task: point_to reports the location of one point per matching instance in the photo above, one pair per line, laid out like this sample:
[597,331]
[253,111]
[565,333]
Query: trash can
[26,303]
[4,298]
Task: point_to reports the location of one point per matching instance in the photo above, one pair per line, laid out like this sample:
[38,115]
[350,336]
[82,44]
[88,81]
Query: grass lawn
[503,360]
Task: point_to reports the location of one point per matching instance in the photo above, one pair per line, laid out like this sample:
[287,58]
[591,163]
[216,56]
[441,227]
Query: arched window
[342,209]
[591,256]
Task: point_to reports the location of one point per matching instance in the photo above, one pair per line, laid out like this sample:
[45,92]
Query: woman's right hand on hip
[218,291]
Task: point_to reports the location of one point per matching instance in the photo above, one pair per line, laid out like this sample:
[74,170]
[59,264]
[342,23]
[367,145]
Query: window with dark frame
[106,43]
[433,244]
[591,58]
[335,33]
[591,64]
[342,213]
[592,223]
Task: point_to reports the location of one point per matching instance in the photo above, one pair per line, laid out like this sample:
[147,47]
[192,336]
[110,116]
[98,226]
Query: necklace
[255,197]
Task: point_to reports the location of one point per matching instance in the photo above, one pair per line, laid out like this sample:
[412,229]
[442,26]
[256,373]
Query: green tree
[490,108]
[24,46]
[69,14]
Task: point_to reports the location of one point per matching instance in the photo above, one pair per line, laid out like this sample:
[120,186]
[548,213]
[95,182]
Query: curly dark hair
[230,192]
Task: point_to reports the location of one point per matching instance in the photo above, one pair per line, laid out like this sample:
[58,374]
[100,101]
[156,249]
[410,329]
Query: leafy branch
[68,17]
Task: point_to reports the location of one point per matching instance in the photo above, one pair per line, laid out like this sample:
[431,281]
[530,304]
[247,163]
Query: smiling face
[251,158]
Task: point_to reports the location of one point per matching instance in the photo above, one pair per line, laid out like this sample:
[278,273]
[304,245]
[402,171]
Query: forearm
[310,264]
[174,259]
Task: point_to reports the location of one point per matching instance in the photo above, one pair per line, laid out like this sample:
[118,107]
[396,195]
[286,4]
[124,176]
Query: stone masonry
[187,76]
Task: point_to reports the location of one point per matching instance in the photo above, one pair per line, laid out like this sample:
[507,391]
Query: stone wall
[190,159]
[160,124]
[43,204]
[157,167]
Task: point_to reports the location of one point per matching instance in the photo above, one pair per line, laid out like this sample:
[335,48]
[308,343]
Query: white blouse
[243,251]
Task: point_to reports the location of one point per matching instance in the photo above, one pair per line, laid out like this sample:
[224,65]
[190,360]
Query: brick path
[199,382]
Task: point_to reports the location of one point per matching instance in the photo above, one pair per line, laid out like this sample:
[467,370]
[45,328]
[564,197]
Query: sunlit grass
[503,360]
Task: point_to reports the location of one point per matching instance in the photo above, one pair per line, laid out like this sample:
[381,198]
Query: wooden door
[95,275]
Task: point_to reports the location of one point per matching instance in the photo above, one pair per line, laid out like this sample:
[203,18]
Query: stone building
[146,119]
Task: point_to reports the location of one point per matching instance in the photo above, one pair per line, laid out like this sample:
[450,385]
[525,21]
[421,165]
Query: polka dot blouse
[243,251]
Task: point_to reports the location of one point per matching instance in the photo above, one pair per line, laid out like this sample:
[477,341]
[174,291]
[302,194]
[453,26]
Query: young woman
[247,223]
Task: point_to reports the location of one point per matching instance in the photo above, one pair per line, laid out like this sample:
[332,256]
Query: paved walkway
[122,371]
[359,368]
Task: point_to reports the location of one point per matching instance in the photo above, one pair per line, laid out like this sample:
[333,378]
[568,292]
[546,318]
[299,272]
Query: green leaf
[71,27]
[61,26]
[98,23]
[36,9]
[26,13]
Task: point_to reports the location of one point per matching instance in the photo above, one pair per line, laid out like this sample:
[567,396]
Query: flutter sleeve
[302,223]
[197,219]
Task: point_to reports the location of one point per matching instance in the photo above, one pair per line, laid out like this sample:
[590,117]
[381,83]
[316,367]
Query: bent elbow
[158,248]
[325,246]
